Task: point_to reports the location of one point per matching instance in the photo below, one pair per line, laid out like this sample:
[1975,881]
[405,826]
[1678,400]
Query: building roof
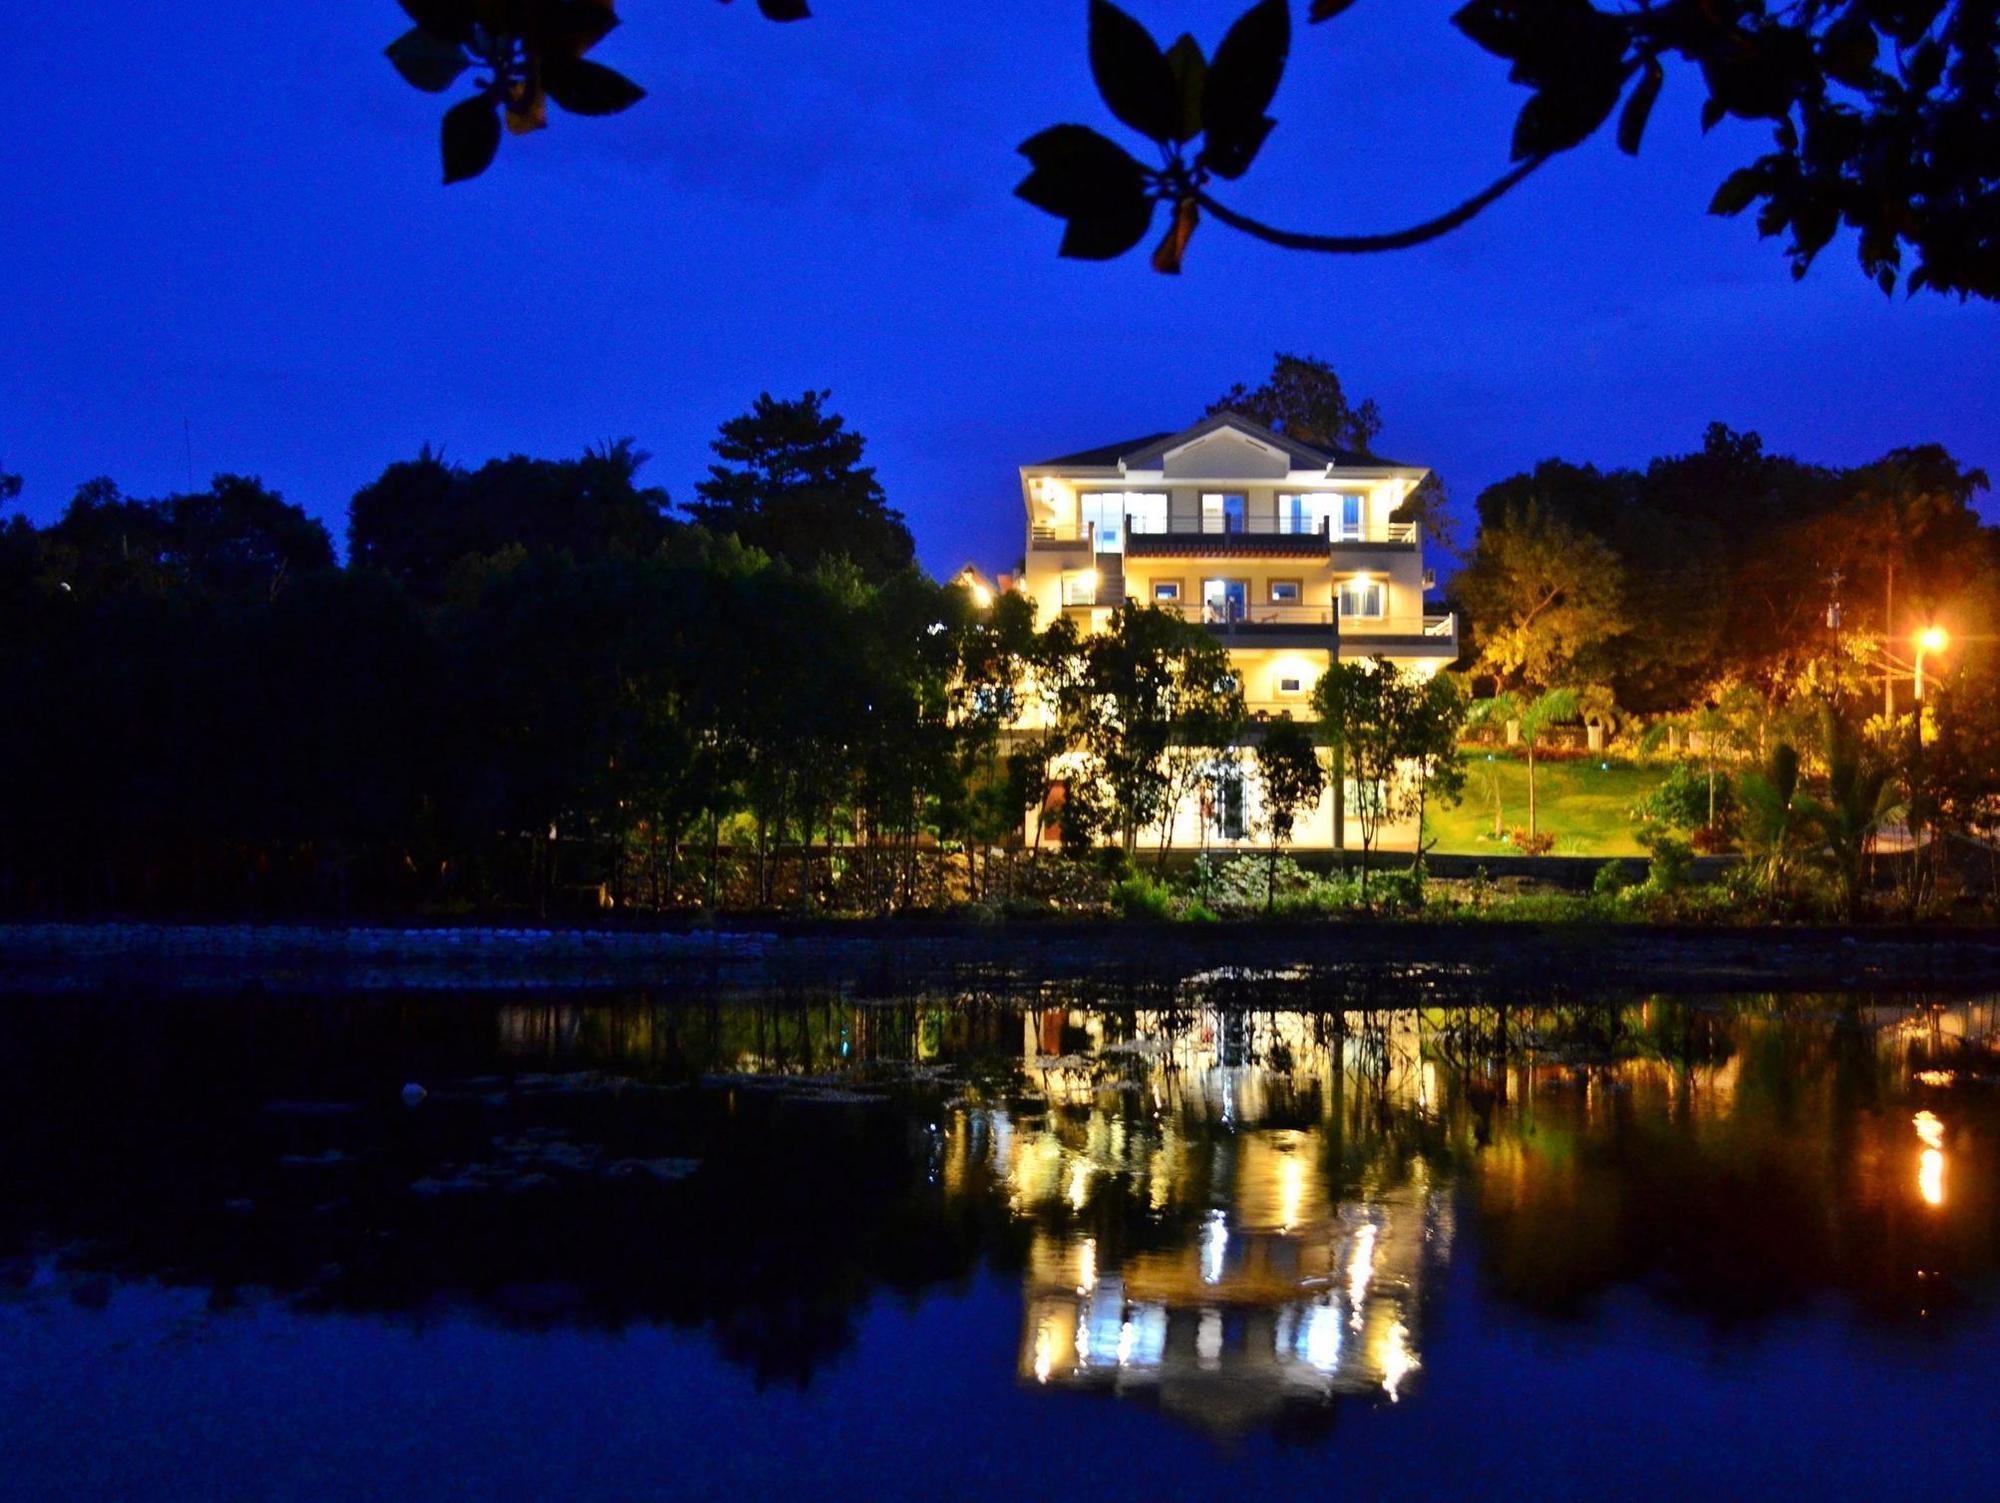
[1147,451]
[1107,454]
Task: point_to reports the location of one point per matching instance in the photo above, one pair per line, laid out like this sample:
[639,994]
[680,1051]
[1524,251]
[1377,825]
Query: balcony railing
[1140,530]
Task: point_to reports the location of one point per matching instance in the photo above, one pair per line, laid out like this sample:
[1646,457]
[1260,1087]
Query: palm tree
[1859,797]
[1774,822]
[1536,718]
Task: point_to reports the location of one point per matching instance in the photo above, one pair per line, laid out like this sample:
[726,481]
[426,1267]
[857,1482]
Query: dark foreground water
[1189,1243]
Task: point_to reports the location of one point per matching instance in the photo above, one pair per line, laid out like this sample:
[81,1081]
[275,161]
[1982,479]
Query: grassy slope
[1583,804]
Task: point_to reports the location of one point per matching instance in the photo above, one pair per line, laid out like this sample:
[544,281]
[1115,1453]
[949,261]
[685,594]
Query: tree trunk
[1531,788]
[1340,801]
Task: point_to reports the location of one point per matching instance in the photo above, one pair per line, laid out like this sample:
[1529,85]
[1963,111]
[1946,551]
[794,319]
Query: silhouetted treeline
[530,687]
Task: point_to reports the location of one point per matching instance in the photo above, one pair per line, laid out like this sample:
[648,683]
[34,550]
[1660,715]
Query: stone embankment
[1332,964]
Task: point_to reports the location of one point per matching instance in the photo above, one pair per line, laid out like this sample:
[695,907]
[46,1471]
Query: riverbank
[1336,963]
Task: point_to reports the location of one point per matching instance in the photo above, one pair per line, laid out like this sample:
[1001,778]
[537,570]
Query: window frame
[1340,596]
[1297,587]
[1178,586]
[1222,509]
[1357,531]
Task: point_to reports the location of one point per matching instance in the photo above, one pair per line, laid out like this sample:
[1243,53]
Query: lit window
[1284,592]
[1361,598]
[1222,513]
[1166,589]
[1307,512]
[1350,517]
[1291,686]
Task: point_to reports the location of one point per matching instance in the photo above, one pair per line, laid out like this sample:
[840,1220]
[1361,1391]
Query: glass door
[1224,599]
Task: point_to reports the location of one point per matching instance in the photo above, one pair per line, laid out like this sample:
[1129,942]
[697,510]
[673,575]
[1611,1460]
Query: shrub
[1681,800]
[1238,885]
[1673,859]
[1711,840]
[1140,897]
[1611,879]
[1398,891]
[1113,862]
[1538,844]
[1198,912]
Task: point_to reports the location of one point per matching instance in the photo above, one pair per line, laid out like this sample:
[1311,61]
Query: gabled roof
[1148,452]
[1108,454]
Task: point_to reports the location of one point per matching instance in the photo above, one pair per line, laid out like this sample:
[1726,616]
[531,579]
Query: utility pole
[1888,636]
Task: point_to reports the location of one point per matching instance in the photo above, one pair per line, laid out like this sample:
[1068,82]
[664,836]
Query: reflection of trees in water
[762,1167]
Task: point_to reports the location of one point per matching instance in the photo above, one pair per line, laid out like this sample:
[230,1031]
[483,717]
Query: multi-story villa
[1287,552]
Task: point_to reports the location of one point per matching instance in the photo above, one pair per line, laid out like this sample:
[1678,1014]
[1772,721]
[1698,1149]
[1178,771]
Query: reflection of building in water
[1247,1285]
[1238,1320]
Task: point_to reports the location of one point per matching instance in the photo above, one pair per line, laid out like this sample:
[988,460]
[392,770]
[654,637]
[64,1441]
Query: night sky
[228,215]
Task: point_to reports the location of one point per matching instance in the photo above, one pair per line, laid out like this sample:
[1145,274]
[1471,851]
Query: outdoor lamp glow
[1930,639]
[981,596]
[1087,581]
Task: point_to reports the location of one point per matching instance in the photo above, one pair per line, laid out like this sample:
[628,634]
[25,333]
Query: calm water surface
[1165,1245]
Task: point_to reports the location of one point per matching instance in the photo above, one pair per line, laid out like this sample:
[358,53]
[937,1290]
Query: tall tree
[1544,597]
[1292,779]
[421,517]
[1536,717]
[1303,399]
[792,483]
[1377,714]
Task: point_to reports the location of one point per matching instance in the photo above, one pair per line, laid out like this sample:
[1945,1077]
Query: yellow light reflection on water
[1079,1185]
[1360,1269]
[1397,1360]
[1930,1164]
[1291,1190]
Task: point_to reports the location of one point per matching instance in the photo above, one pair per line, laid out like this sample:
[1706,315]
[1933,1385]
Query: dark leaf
[1712,111]
[1076,170]
[784,10]
[1761,77]
[1230,156]
[471,137]
[1326,10]
[569,28]
[447,20]
[1108,234]
[1243,76]
[1737,192]
[1639,108]
[1849,48]
[430,62]
[1190,70]
[586,88]
[1493,25]
[1132,73]
[1093,183]
[1555,119]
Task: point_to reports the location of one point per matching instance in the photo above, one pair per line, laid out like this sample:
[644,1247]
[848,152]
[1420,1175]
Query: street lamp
[1930,639]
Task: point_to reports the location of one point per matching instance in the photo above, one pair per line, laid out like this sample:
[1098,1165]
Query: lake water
[1180,1243]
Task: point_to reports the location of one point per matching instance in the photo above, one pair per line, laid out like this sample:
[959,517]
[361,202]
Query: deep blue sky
[229,214]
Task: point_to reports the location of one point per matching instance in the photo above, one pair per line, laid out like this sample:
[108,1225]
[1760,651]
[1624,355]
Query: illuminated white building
[1288,553]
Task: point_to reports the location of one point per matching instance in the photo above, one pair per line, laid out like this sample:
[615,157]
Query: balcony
[1310,626]
[1265,537]
[1426,636]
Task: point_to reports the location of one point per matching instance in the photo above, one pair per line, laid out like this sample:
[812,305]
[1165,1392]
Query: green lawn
[1583,804]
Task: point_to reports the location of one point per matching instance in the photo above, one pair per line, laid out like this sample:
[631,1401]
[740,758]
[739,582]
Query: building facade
[1288,553]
